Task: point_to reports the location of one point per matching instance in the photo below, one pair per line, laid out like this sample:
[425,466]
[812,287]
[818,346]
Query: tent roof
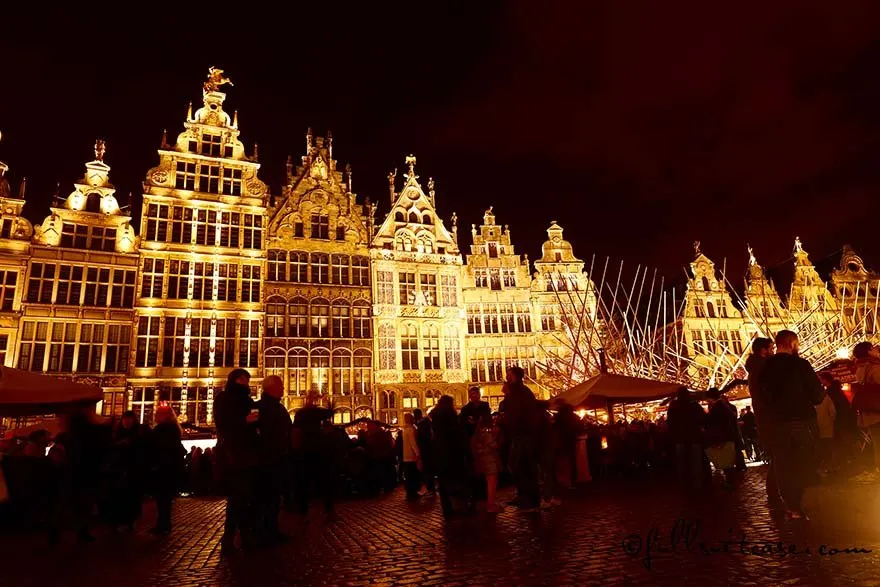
[24,393]
[597,391]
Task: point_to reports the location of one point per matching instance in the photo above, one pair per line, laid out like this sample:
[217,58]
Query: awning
[600,390]
[24,393]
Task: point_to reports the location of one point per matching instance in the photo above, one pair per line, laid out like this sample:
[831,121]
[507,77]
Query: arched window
[360,318]
[399,217]
[387,347]
[276,364]
[402,242]
[363,366]
[319,312]
[341,372]
[706,284]
[414,218]
[342,416]
[409,347]
[320,265]
[298,317]
[710,307]
[425,244]
[340,269]
[319,362]
[389,400]
[431,398]
[341,318]
[93,202]
[426,219]
[298,364]
[431,347]
[363,412]
[299,267]
[277,266]
[410,400]
[453,348]
[275,316]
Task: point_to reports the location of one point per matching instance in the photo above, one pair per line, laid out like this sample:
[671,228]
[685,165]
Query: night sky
[640,126]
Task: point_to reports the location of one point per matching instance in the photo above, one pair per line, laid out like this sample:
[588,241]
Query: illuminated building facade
[78,303]
[318,327]
[419,321]
[857,291]
[199,307]
[15,246]
[496,288]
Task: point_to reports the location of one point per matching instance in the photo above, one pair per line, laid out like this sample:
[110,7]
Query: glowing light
[604,442]
[843,353]
[581,414]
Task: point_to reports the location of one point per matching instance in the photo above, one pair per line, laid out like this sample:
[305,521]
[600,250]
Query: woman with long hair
[167,464]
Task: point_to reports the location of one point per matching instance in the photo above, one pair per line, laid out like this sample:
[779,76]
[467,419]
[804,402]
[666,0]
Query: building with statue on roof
[202,268]
[318,331]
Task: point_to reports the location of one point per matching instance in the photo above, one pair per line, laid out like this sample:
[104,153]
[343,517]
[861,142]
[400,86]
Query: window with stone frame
[8,283]
[152,275]
[363,367]
[209,178]
[252,231]
[97,287]
[70,284]
[298,317]
[249,344]
[102,238]
[224,351]
[203,281]
[320,226]
[41,283]
[91,346]
[298,363]
[178,280]
[387,347]
[428,287]
[319,314]
[174,341]
[452,346]
[62,347]
[409,347]
[523,318]
[299,267]
[181,225]
[407,288]
[431,347]
[117,353]
[319,362]
[341,375]
[360,316]
[320,268]
[74,236]
[276,317]
[385,287]
[340,269]
[231,185]
[147,351]
[230,229]
[227,282]
[360,271]
[277,265]
[449,292]
[341,319]
[475,319]
[250,283]
[122,292]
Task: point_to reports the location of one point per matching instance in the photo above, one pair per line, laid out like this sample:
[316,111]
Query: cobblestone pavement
[599,536]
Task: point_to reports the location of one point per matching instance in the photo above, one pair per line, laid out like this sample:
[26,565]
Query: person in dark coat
[125,472]
[308,424]
[449,450]
[470,417]
[237,454]
[166,457]
[425,440]
[686,419]
[846,422]
[721,427]
[522,422]
[275,433]
[762,349]
[790,390]
[749,430]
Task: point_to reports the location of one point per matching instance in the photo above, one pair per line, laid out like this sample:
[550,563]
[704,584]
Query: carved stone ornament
[412,377]
[434,377]
[159,177]
[256,188]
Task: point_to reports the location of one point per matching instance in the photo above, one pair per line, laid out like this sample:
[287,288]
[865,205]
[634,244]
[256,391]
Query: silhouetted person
[522,421]
[449,450]
[275,435]
[686,420]
[750,433]
[166,457]
[762,349]
[235,416]
[789,389]
[425,439]
[125,472]
[308,423]
[470,416]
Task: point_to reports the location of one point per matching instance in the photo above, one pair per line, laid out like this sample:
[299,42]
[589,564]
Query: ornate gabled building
[496,288]
[857,291]
[764,311]
[318,298]
[77,311]
[15,246]
[562,295]
[712,326]
[419,320]
[809,293]
[200,294]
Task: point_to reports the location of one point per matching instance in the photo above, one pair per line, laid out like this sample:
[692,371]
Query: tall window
[275,317]
[102,239]
[224,353]
[209,179]
[490,319]
[230,229]
[63,347]
[203,281]
[698,342]
[147,341]
[409,347]
[206,227]
[157,223]
[475,319]
[249,343]
[231,182]
[387,347]
[449,295]
[478,372]
[340,269]
[320,268]
[360,314]
[210,145]
[340,232]
[698,308]
[173,346]
[494,279]
[8,282]
[320,314]
[32,345]
[197,405]
[122,293]
[250,283]
[227,284]
[341,317]
[70,281]
[74,236]
[385,287]
[320,363]
[299,267]
[431,347]
[118,348]
[277,266]
[253,231]
[200,343]
[481,277]
[506,318]
[298,317]
[186,176]
[91,343]
[320,226]
[363,365]
[276,359]
[298,363]
[341,372]
[508,277]
[428,283]
[97,287]
[40,283]
[523,318]
[360,271]
[178,280]
[548,318]
[407,288]
[452,345]
[181,225]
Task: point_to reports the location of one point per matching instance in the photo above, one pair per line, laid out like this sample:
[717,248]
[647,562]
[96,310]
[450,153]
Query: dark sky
[640,126]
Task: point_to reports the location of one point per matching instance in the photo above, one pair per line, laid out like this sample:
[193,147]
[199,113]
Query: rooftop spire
[21,187]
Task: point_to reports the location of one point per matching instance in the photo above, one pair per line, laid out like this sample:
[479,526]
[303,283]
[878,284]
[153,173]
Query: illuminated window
[475,320]
[320,226]
[410,400]
[200,343]
[118,348]
[384,287]
[363,366]
[178,280]
[277,265]
[299,267]
[449,294]
[298,363]
[181,225]
[409,347]
[342,416]
[209,178]
[173,344]
[360,313]
[224,353]
[298,317]
[186,176]
[319,311]
[340,269]
[320,365]
[506,318]
[276,316]
[253,231]
[494,279]
[360,271]
[481,278]
[431,347]
[341,317]
[250,283]
[320,268]
[407,288]
[231,182]
[452,345]
[249,343]
[230,229]
[8,283]
[203,281]
[70,281]
[508,277]
[113,404]
[548,318]
[122,293]
[387,347]
[523,318]
[490,319]
[341,372]
[197,405]
[428,287]
[147,341]
[91,343]
[227,283]
[97,287]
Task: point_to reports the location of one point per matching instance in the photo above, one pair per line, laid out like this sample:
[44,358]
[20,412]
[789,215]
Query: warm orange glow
[604,442]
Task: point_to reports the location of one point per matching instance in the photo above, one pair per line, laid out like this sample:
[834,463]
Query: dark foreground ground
[599,536]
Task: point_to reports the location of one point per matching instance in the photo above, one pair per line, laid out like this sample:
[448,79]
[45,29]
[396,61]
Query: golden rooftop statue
[798,246]
[697,251]
[752,260]
[215,80]
[100,149]
[411,161]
